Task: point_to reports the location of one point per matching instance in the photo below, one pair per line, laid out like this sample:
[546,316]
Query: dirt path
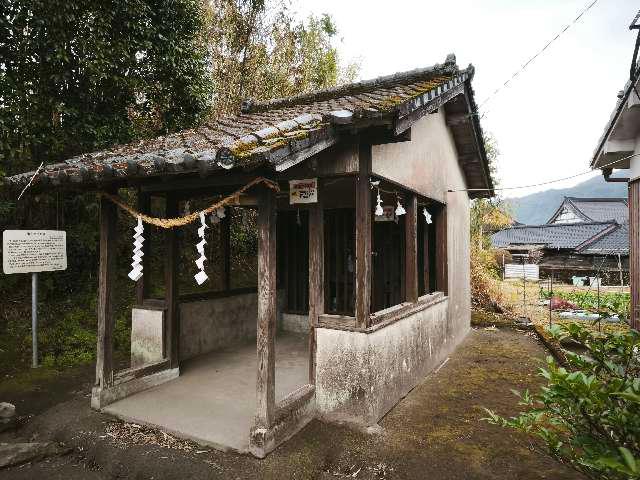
[434,433]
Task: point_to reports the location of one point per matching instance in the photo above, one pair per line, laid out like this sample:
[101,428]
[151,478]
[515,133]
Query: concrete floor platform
[213,401]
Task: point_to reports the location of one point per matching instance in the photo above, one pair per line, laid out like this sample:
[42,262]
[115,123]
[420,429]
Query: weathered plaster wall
[208,325]
[361,376]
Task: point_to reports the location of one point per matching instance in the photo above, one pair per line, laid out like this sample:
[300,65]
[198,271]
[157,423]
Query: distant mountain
[538,207]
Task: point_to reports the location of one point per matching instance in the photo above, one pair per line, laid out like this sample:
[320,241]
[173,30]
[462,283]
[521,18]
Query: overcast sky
[548,121]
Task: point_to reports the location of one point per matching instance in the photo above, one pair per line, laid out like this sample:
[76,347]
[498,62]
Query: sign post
[33,251]
[34,320]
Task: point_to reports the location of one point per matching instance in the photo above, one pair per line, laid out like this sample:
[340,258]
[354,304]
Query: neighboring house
[381,303]
[576,210]
[619,148]
[585,236]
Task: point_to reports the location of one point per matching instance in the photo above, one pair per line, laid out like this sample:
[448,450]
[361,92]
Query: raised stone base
[360,376]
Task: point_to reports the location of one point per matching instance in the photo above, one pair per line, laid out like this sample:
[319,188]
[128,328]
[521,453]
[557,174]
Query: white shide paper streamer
[201,276]
[427,215]
[136,266]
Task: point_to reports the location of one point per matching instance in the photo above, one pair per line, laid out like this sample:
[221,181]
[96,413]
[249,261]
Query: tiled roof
[612,243]
[278,133]
[603,209]
[550,236]
[596,209]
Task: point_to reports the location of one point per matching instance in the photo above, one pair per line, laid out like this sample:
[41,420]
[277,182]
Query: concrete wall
[360,376]
[208,325]
[293,322]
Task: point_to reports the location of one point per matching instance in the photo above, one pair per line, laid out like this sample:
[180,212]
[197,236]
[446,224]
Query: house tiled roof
[600,159]
[602,209]
[280,133]
[615,242]
[600,227]
[555,236]
[593,210]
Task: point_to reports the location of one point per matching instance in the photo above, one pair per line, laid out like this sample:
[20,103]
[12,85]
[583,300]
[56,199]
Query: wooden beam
[456,119]
[129,374]
[384,134]
[171,294]
[316,277]
[411,249]
[363,237]
[186,183]
[429,105]
[337,321]
[225,232]
[479,141]
[298,157]
[265,383]
[106,280]
[142,285]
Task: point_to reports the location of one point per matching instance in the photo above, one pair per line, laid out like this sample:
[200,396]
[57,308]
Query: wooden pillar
[634,252]
[316,277]
[106,280]
[225,231]
[363,237]
[171,294]
[442,274]
[411,249]
[265,384]
[425,258]
[142,285]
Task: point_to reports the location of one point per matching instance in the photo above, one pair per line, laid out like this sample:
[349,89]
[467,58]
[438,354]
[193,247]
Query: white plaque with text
[303,191]
[27,251]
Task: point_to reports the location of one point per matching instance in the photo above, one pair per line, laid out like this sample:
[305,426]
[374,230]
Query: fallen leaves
[124,434]
[379,470]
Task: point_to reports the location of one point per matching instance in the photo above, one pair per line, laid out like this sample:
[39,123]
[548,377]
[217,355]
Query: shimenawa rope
[190,218]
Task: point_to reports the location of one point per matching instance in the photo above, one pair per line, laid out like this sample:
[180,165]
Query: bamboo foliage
[259,50]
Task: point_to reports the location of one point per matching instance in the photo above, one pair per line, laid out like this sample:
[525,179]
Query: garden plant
[587,415]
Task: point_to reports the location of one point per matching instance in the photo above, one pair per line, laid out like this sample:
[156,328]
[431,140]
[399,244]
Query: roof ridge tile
[384,81]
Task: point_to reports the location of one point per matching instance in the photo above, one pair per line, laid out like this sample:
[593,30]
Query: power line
[542,183]
[528,62]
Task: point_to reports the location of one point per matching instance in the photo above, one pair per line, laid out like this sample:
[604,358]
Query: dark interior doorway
[388,257]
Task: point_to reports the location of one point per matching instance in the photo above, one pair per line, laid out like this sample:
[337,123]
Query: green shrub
[122,332]
[588,415]
[71,341]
